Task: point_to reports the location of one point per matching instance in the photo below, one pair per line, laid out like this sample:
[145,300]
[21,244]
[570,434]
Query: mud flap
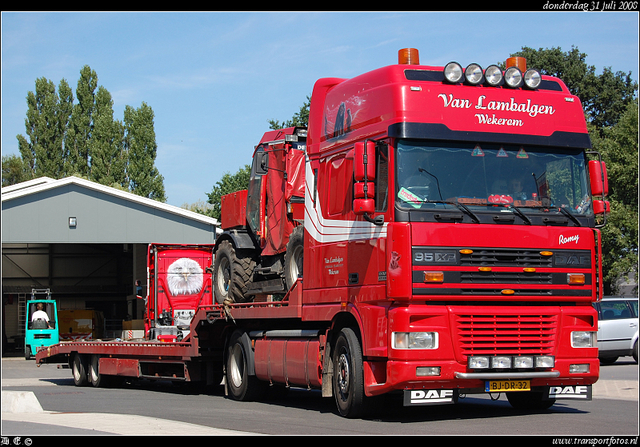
[565,392]
[430,397]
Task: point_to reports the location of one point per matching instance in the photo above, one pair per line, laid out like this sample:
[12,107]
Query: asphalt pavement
[22,414]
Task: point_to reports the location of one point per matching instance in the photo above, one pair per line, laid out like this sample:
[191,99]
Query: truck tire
[241,385]
[231,274]
[348,375]
[294,256]
[79,370]
[95,377]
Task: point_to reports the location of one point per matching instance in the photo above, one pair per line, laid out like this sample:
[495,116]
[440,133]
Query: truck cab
[41,328]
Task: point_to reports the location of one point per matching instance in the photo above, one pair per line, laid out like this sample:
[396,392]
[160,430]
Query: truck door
[256,195]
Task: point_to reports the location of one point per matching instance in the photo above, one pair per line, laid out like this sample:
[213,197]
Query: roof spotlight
[453,72]
[473,74]
[493,75]
[513,77]
[532,78]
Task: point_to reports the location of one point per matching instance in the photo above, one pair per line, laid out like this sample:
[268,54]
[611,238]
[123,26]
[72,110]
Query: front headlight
[584,339]
[414,340]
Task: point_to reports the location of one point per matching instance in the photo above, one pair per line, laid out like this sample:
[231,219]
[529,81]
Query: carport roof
[39,210]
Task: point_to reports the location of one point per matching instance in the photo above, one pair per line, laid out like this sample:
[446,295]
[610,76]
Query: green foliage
[228,184]
[140,145]
[611,108]
[618,146]
[299,119]
[604,97]
[82,138]
[13,170]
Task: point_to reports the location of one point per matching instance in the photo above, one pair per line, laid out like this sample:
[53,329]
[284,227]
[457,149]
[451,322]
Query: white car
[617,328]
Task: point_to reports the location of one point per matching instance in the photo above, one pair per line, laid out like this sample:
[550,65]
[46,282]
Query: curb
[20,402]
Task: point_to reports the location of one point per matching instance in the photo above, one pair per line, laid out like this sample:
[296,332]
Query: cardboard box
[131,334]
[80,324]
[132,325]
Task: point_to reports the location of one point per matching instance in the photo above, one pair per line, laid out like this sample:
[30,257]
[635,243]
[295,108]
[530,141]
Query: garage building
[87,243]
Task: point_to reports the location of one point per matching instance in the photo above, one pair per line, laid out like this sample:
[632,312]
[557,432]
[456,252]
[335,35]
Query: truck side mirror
[598,178]
[364,166]
[601,207]
[363,206]
[364,174]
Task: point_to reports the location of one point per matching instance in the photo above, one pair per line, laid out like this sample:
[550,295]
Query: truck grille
[506,257]
[508,334]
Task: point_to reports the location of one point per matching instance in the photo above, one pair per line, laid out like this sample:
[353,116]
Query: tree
[228,184]
[13,170]
[604,97]
[619,149]
[83,139]
[299,119]
[106,146]
[140,145]
[611,109]
[82,121]
[47,117]
[240,180]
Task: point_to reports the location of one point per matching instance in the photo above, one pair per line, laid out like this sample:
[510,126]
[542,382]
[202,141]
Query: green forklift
[41,328]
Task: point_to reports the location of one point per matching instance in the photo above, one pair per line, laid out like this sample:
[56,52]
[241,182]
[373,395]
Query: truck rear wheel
[293,257]
[231,274]
[348,375]
[79,370]
[240,384]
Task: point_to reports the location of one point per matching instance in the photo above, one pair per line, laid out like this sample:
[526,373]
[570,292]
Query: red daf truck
[434,233]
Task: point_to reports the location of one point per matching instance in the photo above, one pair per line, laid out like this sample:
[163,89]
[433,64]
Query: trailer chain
[227,310]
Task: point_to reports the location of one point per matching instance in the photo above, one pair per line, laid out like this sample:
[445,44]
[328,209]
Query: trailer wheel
[348,375]
[95,377]
[240,384]
[231,274]
[79,370]
[294,256]
[529,400]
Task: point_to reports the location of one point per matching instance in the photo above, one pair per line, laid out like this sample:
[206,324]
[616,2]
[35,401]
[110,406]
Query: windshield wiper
[520,213]
[465,209]
[570,216]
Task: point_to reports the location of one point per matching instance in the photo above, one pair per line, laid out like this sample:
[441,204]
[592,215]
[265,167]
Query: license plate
[502,386]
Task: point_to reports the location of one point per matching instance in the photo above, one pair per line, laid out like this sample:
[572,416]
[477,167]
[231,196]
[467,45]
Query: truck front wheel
[348,375]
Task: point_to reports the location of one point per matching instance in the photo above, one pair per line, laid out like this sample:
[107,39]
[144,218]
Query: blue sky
[214,79]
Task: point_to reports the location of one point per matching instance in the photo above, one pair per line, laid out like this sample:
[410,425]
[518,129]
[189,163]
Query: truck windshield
[478,175]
